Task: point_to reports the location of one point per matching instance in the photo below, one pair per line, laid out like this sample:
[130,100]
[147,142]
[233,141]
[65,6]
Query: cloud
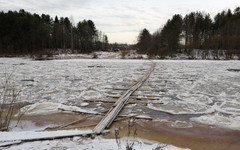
[123,37]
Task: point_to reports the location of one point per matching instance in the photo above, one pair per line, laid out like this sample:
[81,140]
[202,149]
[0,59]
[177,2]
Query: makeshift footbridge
[119,104]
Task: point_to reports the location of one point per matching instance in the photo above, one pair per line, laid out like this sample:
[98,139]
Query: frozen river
[202,91]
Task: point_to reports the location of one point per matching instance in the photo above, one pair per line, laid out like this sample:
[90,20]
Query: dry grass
[8,100]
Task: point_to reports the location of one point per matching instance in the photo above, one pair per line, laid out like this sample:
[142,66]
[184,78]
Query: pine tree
[144,41]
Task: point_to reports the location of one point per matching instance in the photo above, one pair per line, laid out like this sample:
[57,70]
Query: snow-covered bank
[14,136]
[129,54]
[76,142]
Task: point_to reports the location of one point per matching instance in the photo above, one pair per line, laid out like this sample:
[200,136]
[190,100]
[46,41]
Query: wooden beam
[131,101]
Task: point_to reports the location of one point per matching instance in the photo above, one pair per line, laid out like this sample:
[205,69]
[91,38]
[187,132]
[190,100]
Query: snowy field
[205,92]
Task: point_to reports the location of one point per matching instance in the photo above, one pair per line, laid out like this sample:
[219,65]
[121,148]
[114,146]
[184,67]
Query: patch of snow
[13,136]
[106,55]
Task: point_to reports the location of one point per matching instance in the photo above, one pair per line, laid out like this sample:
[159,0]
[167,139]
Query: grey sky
[121,20]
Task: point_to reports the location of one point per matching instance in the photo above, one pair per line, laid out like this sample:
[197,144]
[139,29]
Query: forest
[196,30]
[25,33]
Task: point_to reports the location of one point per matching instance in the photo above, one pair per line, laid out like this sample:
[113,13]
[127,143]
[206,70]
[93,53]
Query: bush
[95,56]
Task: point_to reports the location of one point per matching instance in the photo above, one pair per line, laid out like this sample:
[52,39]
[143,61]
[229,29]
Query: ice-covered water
[62,81]
[204,90]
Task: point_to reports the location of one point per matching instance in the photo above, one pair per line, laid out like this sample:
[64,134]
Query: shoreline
[197,137]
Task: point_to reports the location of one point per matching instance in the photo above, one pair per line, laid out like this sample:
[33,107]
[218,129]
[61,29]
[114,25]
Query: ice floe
[50,108]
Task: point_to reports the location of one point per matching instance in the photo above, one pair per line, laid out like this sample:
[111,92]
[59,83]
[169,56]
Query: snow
[76,142]
[132,54]
[109,144]
[102,54]
[99,54]
[200,54]
[14,136]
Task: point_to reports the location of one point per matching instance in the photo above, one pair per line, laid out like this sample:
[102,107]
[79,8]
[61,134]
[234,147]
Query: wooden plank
[116,88]
[80,112]
[119,104]
[131,101]
[100,101]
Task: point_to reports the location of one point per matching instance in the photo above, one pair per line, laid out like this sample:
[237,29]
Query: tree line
[25,33]
[194,31]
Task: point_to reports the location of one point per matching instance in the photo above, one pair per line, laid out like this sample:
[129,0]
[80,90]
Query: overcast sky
[121,20]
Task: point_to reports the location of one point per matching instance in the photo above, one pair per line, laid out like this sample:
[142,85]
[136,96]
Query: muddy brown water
[196,137]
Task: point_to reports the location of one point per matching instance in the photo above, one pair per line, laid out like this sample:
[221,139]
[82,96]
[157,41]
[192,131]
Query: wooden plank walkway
[119,104]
